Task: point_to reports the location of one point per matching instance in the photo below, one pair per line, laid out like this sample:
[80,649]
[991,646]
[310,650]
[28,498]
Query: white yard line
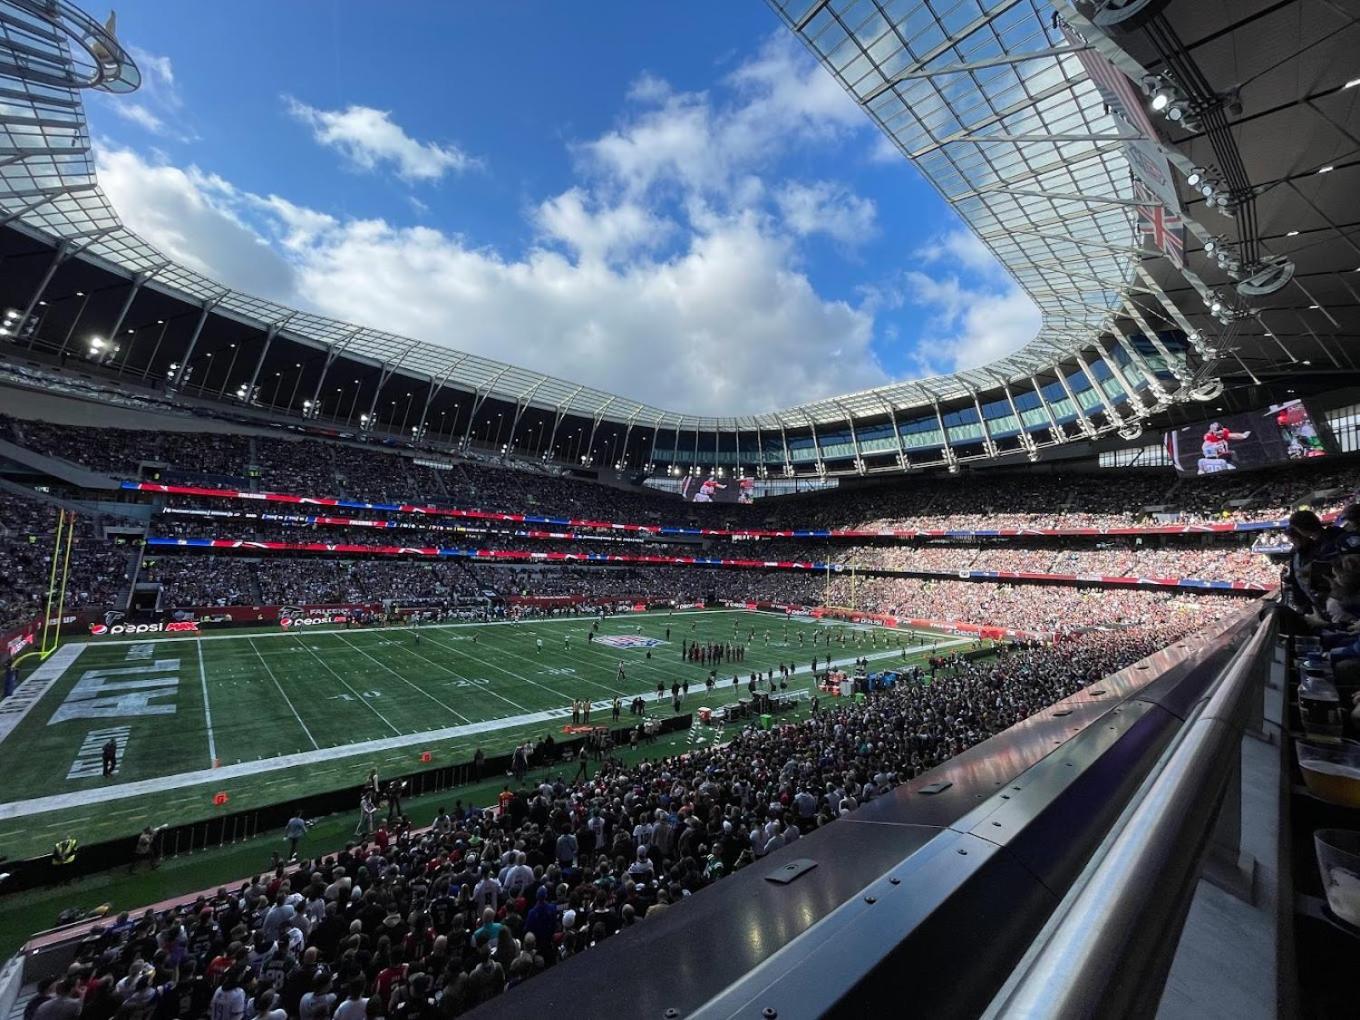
[207,710]
[415,687]
[282,694]
[163,784]
[15,708]
[362,700]
[410,649]
[56,802]
[520,676]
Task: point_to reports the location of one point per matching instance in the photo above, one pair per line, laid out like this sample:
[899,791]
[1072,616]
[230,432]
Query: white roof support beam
[784,439]
[1026,440]
[1121,336]
[436,387]
[560,412]
[269,336]
[1111,412]
[479,398]
[522,405]
[854,437]
[982,65]
[1058,433]
[1174,363]
[595,420]
[903,458]
[1084,423]
[204,312]
[385,372]
[950,457]
[1131,395]
[988,443]
[333,352]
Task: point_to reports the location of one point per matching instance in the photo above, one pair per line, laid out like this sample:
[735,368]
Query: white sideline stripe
[207,711]
[15,708]
[534,622]
[38,805]
[162,784]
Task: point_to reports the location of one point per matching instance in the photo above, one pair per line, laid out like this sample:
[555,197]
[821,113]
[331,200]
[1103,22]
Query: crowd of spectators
[1023,606]
[1029,499]
[97,575]
[430,924]
[280,579]
[1229,559]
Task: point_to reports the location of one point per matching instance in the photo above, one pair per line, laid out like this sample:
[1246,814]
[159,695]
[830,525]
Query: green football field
[267,716]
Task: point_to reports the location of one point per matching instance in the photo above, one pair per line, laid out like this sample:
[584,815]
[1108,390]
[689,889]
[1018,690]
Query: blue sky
[672,201]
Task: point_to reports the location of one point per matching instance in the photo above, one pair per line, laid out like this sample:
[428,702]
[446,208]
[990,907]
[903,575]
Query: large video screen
[712,489]
[1236,442]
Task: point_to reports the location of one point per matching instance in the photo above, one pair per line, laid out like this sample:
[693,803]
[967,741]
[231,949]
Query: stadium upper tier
[291,475]
[992,101]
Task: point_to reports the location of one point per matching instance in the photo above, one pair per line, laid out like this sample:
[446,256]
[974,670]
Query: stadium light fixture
[1292,233]
[1196,175]
[96,343]
[1326,169]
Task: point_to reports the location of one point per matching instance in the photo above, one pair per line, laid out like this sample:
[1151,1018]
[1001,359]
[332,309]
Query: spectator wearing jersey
[355,1006]
[316,1004]
[229,1001]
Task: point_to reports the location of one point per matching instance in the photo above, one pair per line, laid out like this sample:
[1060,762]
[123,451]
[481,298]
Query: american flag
[1166,229]
[1113,85]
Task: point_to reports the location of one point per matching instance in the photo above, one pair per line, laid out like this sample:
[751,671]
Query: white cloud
[670,272]
[596,233]
[964,247]
[157,70]
[885,150]
[969,325]
[141,116]
[159,107]
[724,326]
[824,207]
[369,138]
[189,216]
[776,100]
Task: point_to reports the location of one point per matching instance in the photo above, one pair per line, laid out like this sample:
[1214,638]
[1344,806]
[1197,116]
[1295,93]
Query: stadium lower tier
[554,869]
[203,581]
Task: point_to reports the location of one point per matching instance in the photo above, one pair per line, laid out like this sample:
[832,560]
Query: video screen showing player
[1280,433]
[712,489]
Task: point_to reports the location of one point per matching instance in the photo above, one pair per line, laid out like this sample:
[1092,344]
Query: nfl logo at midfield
[629,641]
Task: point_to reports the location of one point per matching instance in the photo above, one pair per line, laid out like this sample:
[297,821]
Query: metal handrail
[1111,951]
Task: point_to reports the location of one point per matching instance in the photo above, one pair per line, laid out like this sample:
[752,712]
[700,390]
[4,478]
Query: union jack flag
[1116,91]
[1155,220]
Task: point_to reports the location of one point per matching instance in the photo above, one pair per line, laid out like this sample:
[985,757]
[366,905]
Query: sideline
[162,784]
[329,629]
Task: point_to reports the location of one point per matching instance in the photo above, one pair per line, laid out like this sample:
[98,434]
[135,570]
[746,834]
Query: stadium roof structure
[1071,139]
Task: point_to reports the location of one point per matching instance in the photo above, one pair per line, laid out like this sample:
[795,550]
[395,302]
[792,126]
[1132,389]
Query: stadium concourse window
[1154,455]
[1345,426]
